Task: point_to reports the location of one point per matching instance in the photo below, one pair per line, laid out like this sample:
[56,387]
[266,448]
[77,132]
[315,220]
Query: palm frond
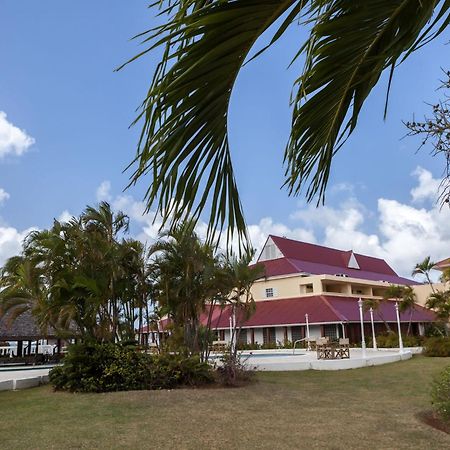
[184,142]
[350,45]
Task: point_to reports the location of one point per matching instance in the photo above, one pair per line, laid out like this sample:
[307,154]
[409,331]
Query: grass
[369,408]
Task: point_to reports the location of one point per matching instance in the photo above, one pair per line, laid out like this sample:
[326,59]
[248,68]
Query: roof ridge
[338,314]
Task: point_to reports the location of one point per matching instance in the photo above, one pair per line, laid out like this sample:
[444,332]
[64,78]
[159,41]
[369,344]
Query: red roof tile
[318,260]
[320,309]
[303,251]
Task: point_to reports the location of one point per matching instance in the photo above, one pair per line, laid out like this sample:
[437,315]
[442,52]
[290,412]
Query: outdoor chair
[311,343]
[343,350]
[218,346]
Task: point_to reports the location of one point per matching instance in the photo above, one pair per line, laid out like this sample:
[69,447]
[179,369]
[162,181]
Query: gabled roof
[298,257]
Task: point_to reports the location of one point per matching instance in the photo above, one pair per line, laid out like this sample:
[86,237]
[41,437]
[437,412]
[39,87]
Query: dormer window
[341,275]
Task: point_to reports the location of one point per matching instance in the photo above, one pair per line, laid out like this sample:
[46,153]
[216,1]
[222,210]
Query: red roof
[315,259]
[320,309]
[444,264]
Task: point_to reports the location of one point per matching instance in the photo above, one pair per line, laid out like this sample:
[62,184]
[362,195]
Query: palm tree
[184,140]
[22,289]
[408,303]
[424,269]
[184,269]
[240,277]
[375,304]
[405,297]
[440,302]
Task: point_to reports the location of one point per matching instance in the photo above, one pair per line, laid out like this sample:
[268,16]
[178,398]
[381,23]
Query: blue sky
[57,86]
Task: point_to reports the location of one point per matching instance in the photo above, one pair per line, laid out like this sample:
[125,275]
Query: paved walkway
[19,373]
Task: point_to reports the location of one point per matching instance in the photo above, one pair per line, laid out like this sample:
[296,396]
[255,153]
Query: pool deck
[12,378]
[304,360]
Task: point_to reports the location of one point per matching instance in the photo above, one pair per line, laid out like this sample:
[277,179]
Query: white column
[363,340]
[307,330]
[400,340]
[343,330]
[374,339]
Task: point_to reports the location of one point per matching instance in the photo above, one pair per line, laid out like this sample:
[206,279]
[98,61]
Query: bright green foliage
[80,277]
[184,144]
[440,394]
[93,367]
[406,299]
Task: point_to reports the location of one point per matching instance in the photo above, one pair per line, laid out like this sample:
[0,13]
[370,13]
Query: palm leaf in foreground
[184,141]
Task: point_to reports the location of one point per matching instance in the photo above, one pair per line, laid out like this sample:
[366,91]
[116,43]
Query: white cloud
[428,187]
[402,234]
[13,140]
[3,196]
[104,191]
[65,216]
[11,242]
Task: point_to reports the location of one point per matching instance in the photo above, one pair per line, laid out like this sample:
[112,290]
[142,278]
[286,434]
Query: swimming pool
[254,355]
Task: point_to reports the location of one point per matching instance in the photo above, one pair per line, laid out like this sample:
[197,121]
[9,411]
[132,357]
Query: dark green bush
[437,346]
[92,367]
[390,340]
[440,394]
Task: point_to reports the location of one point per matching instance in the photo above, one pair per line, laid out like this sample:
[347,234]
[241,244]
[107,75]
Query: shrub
[390,340]
[234,371]
[93,367]
[440,394]
[437,346]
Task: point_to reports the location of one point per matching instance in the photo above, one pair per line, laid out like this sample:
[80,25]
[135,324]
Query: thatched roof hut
[23,328]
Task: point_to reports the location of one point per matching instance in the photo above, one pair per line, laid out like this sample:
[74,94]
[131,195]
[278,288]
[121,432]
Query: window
[342,275]
[242,336]
[269,336]
[330,331]
[306,288]
[269,292]
[297,333]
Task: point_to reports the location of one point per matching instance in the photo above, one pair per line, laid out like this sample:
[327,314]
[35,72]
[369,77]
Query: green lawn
[365,408]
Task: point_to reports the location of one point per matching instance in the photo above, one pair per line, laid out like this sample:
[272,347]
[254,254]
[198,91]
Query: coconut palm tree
[424,268]
[184,144]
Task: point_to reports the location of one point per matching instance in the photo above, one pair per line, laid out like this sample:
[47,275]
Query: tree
[375,304]
[405,297]
[185,271]
[240,277]
[22,289]
[440,302]
[81,277]
[436,130]
[184,140]
[424,268]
